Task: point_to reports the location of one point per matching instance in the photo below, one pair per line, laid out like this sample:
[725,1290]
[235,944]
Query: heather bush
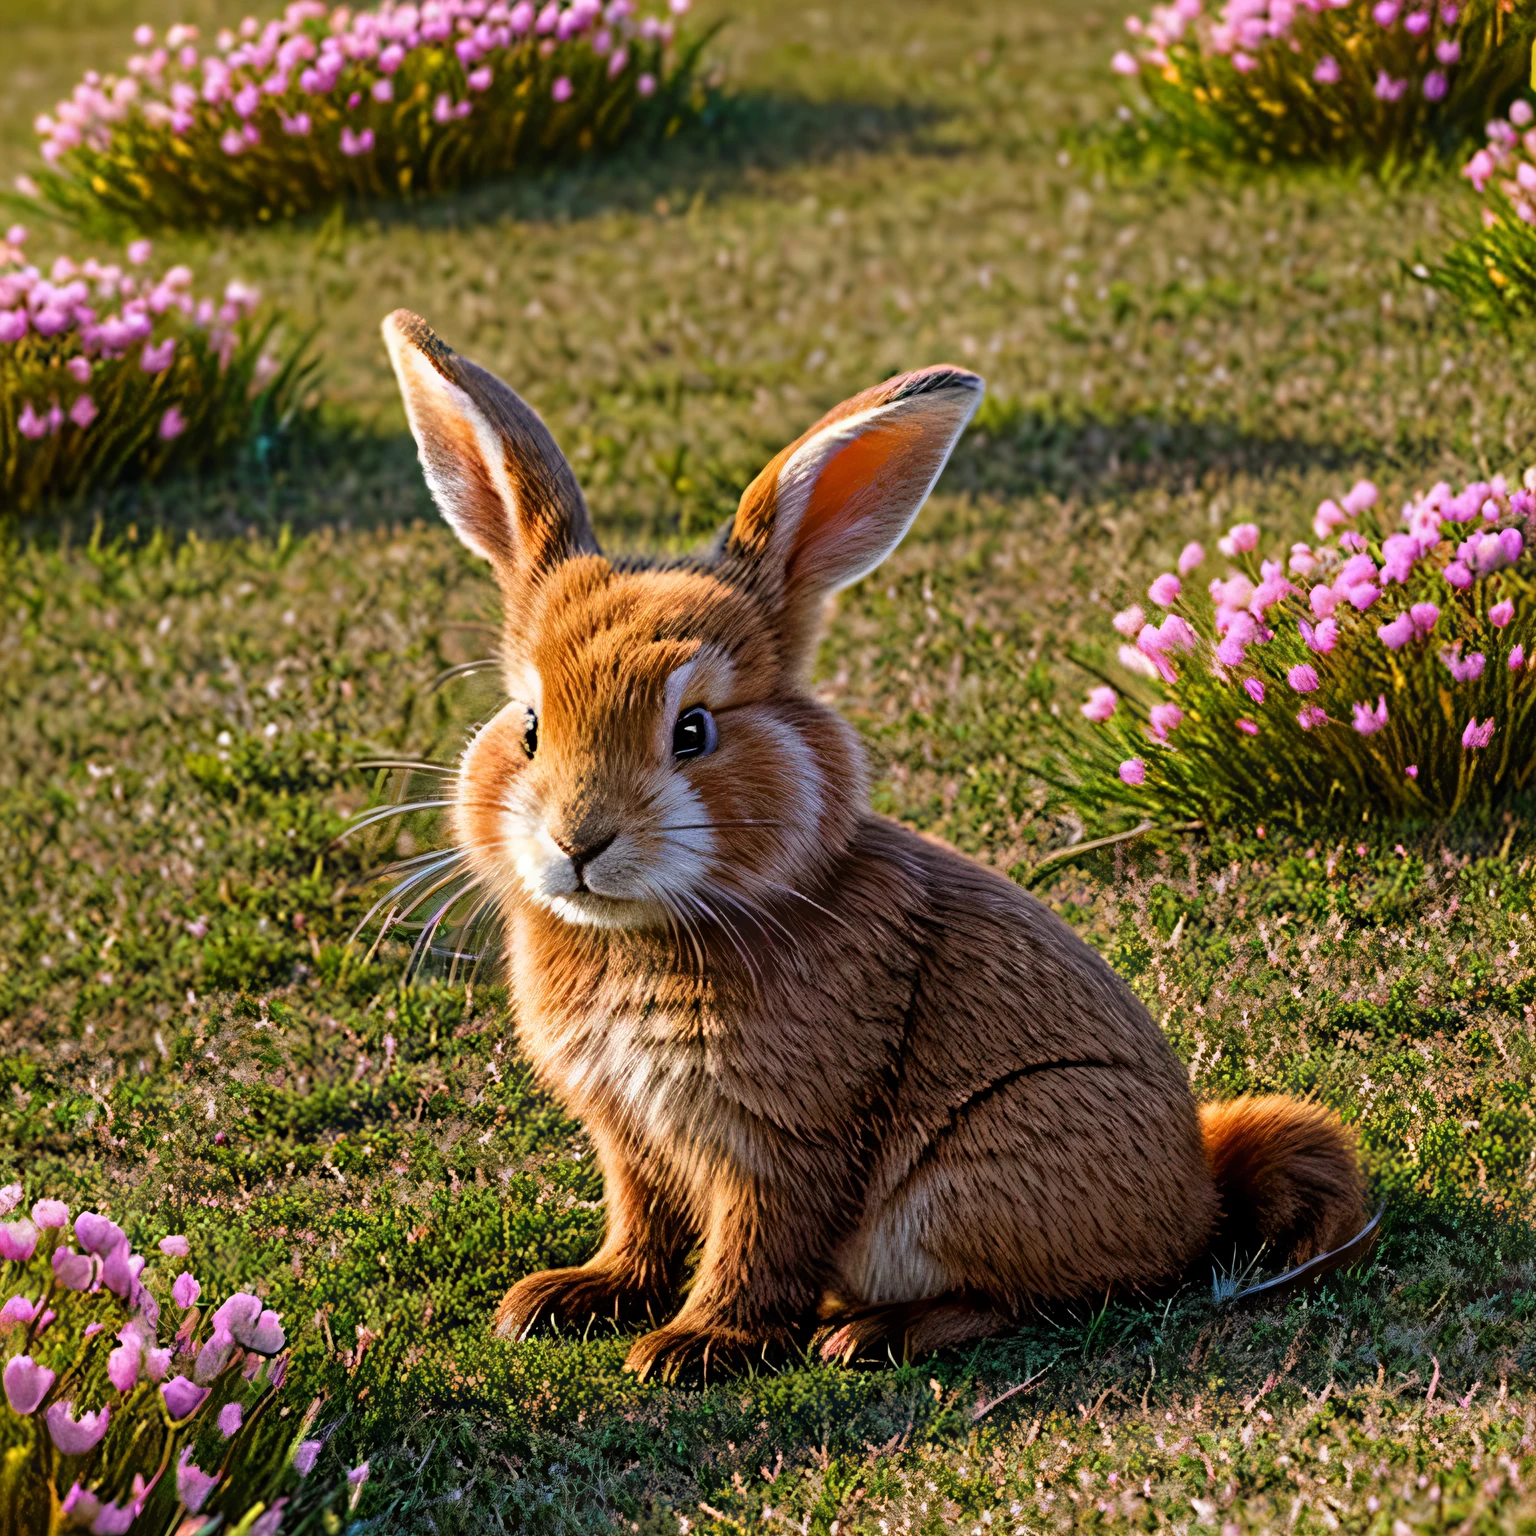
[1381,82]
[281,119]
[1492,268]
[110,1427]
[165,380]
[1375,675]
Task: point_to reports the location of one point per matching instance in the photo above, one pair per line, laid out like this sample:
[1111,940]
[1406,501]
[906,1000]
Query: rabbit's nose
[582,856]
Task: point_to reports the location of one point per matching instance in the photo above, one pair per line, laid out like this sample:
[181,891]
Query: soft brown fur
[866,1079]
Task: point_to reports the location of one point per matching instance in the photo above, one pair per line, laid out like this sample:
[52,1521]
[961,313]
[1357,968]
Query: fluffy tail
[1288,1175]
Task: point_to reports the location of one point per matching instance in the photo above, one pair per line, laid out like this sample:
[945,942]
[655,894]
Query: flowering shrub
[1379,673]
[1380,81]
[162,380]
[282,118]
[1493,269]
[107,1428]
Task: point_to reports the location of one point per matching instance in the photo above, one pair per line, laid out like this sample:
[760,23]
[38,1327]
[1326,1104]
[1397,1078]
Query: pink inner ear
[842,493]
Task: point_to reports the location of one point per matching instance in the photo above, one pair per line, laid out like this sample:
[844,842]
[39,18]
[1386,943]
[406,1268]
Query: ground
[883,187]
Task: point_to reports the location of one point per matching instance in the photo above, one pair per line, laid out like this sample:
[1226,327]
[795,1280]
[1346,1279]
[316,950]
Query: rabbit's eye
[694,735]
[531,735]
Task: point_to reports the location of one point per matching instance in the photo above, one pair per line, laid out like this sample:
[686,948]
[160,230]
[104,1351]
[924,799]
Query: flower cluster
[104,367]
[1376,670]
[1331,80]
[280,118]
[1493,269]
[141,1433]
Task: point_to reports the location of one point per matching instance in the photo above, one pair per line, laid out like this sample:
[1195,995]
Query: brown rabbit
[867,1079]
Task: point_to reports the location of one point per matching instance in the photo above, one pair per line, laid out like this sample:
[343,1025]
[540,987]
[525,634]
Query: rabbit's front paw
[705,1351]
[571,1298]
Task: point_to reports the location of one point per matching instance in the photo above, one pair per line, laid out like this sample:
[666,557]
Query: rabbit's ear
[493,469]
[835,503]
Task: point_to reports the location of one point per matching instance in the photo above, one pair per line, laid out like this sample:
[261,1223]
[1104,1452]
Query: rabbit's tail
[1288,1176]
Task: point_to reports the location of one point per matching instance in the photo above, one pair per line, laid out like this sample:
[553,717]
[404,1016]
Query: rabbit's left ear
[836,502]
[492,466]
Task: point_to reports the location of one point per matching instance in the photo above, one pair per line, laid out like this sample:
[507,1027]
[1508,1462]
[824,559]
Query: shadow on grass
[736,137]
[333,472]
[1018,449]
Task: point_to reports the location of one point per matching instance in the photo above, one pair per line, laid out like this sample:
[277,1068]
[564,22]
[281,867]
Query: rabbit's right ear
[491,464]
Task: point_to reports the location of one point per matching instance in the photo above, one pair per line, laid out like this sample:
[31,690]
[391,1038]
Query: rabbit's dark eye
[531,734]
[694,735]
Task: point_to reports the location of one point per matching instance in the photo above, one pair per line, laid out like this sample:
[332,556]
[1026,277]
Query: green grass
[1166,357]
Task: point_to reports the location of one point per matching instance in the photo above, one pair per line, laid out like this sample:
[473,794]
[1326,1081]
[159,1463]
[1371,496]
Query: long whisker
[431,927]
[385,812]
[449,770]
[463,669]
[735,939]
[439,862]
[754,912]
[706,826]
[466,936]
[789,890]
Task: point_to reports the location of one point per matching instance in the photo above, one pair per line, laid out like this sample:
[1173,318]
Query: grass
[1166,357]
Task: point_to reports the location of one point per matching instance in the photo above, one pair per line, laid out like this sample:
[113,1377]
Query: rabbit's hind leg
[904,1330]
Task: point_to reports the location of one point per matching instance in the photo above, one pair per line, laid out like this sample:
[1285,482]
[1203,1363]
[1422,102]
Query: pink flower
[185,1290]
[1477,735]
[18,1240]
[172,424]
[232,142]
[646,85]
[182,1399]
[193,1485]
[1239,540]
[305,1457]
[256,1328]
[1133,771]
[213,1356]
[1101,705]
[1501,613]
[383,90]
[30,424]
[1367,720]
[1424,616]
[13,324]
[1388,89]
[561,89]
[83,412]
[1129,622]
[1189,557]
[175,1246]
[358,1475]
[1327,71]
[1254,689]
[1479,169]
[1436,85]
[1303,679]
[156,1363]
[1247,727]
[1323,600]
[26,1383]
[157,359]
[355,144]
[1363,595]
[1448,51]
[1165,590]
[1385,12]
[1458,574]
[1416,23]
[298,125]
[1165,718]
[617,61]
[480,79]
[231,1416]
[1125,63]
[1361,496]
[1411,771]
[123,1362]
[1396,634]
[1231,651]
[139,251]
[74,1271]
[75,1438]
[1311,715]
[1175,634]
[1516,658]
